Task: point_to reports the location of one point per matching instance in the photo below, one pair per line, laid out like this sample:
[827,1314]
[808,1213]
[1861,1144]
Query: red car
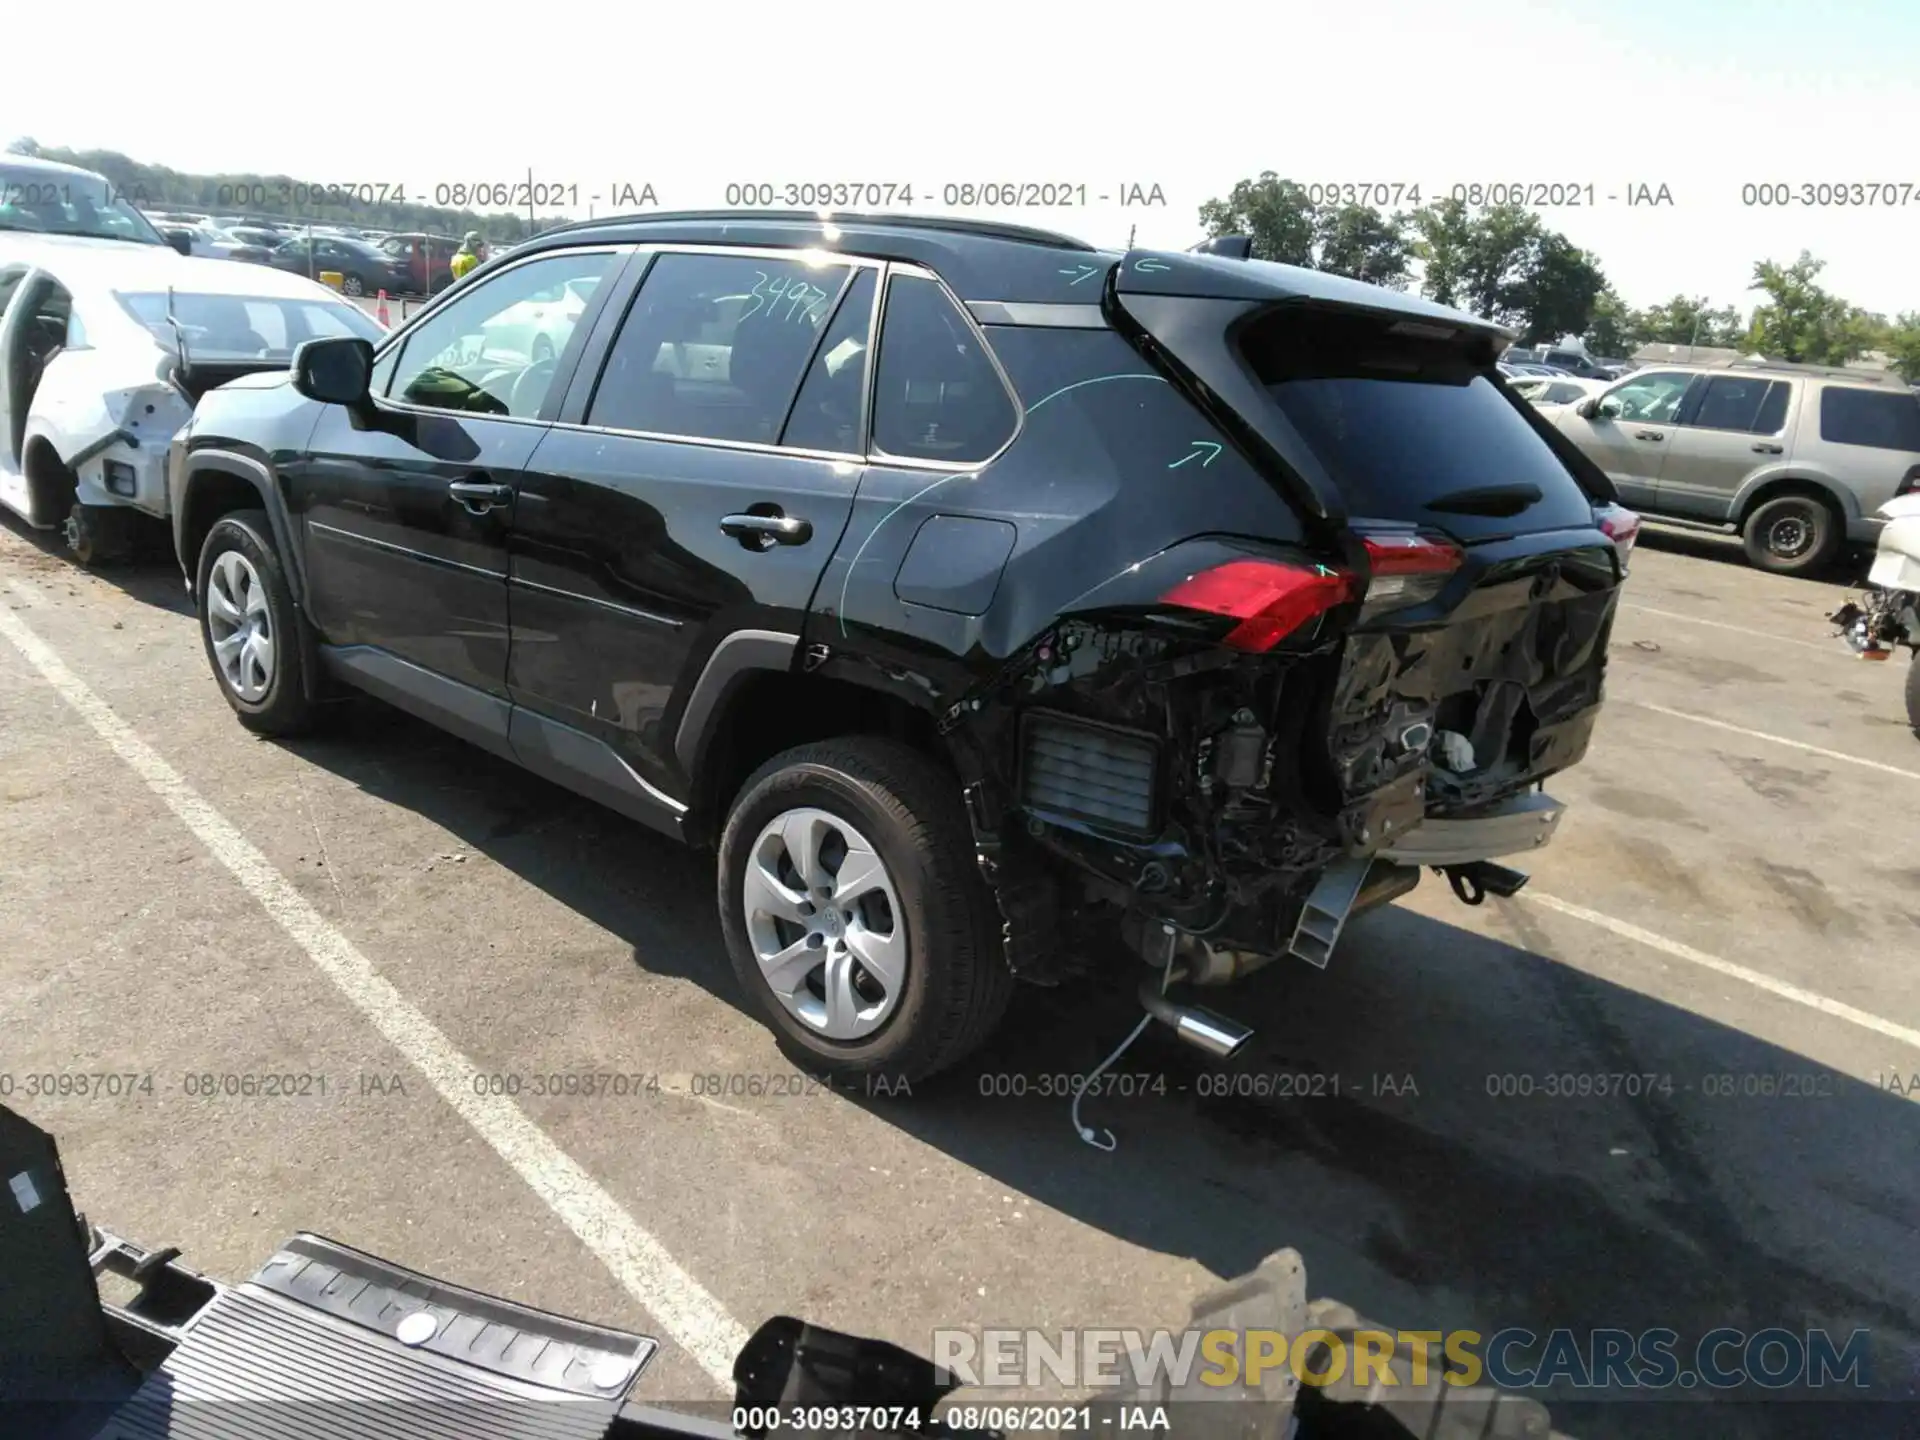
[428,260]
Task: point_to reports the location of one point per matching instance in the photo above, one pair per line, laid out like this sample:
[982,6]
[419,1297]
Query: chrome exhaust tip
[1198,1026]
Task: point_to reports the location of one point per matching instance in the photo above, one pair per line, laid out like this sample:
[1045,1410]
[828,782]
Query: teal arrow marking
[1200,447]
[1150,265]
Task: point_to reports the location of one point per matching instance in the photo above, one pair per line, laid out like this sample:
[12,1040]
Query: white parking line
[1773,739]
[691,1317]
[1865,1019]
[1836,648]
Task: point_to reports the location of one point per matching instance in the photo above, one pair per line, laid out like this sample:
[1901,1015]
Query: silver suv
[1797,458]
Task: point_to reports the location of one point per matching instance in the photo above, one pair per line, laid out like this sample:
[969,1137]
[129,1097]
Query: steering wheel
[530,388]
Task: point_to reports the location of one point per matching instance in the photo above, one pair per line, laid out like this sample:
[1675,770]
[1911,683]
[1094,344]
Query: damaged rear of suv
[997,607]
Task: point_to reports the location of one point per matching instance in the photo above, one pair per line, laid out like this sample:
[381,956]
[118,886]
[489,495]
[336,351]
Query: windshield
[62,202]
[229,328]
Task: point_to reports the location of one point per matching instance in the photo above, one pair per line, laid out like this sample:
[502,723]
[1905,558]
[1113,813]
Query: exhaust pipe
[1199,1027]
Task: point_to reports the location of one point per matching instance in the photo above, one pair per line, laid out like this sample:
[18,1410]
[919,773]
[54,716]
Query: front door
[405,512]
[694,489]
[1628,435]
[1728,429]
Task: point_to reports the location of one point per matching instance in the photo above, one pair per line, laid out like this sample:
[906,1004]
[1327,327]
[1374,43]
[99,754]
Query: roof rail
[1838,372]
[985,229]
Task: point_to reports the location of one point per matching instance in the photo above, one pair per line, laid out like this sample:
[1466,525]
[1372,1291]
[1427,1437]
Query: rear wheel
[352,285]
[98,534]
[855,914]
[248,627]
[1913,693]
[1795,534]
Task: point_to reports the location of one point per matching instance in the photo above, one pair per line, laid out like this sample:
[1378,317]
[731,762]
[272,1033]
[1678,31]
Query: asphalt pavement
[385,915]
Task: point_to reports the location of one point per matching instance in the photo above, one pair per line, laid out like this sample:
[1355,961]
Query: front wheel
[352,285]
[1792,535]
[248,627]
[855,914]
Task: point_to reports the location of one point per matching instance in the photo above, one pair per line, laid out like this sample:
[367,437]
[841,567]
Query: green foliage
[1801,321]
[1901,341]
[1285,225]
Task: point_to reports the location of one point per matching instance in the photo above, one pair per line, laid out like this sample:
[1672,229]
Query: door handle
[1765,449]
[480,496]
[1649,435]
[763,532]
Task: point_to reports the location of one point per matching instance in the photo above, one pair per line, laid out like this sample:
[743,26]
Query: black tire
[284,708]
[353,285]
[1913,693]
[1793,534]
[957,983]
[98,534]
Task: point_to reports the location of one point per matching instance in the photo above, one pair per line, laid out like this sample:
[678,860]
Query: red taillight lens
[1269,599]
[1407,570]
[1620,525]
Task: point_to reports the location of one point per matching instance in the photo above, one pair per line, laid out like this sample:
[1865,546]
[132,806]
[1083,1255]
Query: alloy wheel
[240,626]
[825,922]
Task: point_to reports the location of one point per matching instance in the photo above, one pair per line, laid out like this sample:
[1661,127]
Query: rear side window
[1850,416]
[715,346]
[937,395]
[1401,421]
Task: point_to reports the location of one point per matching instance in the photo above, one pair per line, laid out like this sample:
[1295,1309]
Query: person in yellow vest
[472,251]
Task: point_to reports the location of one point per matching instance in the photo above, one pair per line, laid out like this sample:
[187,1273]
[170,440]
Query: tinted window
[936,393]
[480,353]
[1563,394]
[714,347]
[1773,409]
[1732,402]
[1653,395]
[827,414]
[1400,421]
[1882,419]
[235,327]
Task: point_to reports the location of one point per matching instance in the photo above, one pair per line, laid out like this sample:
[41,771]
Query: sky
[1702,97]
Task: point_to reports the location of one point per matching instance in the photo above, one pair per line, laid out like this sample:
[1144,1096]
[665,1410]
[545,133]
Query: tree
[1359,241]
[1803,322]
[1443,231]
[1902,344]
[1688,321]
[1275,214]
[25,145]
[1559,289]
[1610,326]
[1284,223]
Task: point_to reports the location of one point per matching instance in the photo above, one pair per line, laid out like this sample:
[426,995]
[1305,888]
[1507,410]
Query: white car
[538,327]
[1550,392]
[106,348]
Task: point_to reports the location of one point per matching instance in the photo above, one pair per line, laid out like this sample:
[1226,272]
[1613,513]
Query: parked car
[426,261]
[1046,619]
[537,328]
[363,269]
[42,197]
[106,349]
[1546,392]
[211,242]
[1796,458]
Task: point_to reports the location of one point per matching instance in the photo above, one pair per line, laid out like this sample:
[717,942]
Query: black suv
[979,595]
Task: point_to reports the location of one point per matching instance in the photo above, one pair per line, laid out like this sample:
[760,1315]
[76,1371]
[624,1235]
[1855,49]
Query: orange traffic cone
[380,311]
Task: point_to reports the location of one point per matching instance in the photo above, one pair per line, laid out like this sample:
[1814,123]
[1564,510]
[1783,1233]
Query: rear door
[693,489]
[1729,427]
[405,513]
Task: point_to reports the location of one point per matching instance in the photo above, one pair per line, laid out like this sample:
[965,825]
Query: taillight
[1270,599]
[1620,525]
[1909,483]
[1407,570]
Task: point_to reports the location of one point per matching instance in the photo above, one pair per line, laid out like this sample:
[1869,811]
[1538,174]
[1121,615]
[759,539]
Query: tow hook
[1473,882]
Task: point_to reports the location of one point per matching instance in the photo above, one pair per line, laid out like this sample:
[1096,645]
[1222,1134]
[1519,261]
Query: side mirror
[334,371]
[181,241]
